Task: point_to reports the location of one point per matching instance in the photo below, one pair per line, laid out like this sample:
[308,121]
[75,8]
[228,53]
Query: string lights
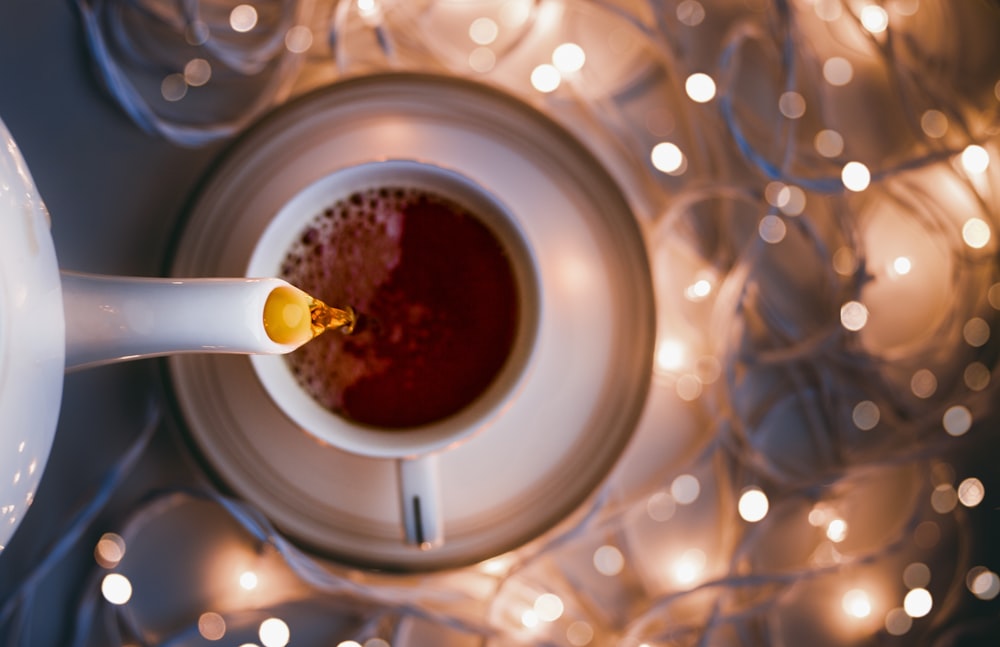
[819,184]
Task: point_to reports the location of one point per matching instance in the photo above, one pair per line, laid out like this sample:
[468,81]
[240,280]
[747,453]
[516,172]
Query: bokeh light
[116,588]
[700,87]
[918,603]
[753,505]
[855,176]
[569,58]
[856,603]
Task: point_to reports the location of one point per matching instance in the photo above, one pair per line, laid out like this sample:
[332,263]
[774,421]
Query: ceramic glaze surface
[31,338]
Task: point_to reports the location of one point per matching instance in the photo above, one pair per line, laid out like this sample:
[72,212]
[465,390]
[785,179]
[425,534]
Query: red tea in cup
[437,298]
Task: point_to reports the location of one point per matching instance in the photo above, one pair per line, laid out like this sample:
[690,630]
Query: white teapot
[51,322]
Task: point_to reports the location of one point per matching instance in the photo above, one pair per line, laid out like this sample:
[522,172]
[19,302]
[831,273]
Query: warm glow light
[897,622]
[116,588]
[853,315]
[529,619]
[791,200]
[944,498]
[856,603]
[837,70]
[549,607]
[685,489]
[661,506]
[875,19]
[971,492]
[836,531]
[983,583]
[923,383]
[844,261]
[700,87]
[173,87]
[865,415]
[916,575]
[579,633]
[792,105]
[976,376]
[772,229]
[690,13]
[670,355]
[689,566]
[976,233]
[688,388]
[957,420]
[545,78]
[298,39]
[608,560]
[110,550]
[667,157]
[828,143]
[753,505]
[243,18]
[901,265]
[918,603]
[855,176]
[211,626]
[482,59]
[483,31]
[976,332]
[197,72]
[569,58]
[274,632]
[975,159]
[248,580]
[934,123]
[698,290]
[348,643]
[828,10]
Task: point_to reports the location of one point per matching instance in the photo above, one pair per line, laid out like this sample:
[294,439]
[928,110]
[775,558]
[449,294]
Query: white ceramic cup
[415,450]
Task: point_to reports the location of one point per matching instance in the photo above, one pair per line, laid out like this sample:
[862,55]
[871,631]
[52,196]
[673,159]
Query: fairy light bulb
[545,78]
[700,87]
[918,603]
[548,607]
[975,159]
[836,530]
[274,632]
[853,315]
[875,19]
[116,588]
[855,176]
[248,580]
[243,18]
[667,157]
[856,603]
[211,626]
[483,31]
[689,566]
[901,265]
[685,489]
[568,58]
[753,505]
[670,355]
[976,233]
[838,71]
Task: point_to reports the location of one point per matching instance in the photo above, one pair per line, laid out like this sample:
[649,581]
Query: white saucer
[578,407]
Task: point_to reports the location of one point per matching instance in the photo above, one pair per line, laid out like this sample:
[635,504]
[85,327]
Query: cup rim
[405,443]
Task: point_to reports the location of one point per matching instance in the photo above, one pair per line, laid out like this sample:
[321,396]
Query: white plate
[577,408]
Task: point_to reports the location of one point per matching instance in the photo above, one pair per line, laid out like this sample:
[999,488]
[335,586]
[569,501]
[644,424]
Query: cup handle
[420,497]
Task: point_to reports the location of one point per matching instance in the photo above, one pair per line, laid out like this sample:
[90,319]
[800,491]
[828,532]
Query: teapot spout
[111,319]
